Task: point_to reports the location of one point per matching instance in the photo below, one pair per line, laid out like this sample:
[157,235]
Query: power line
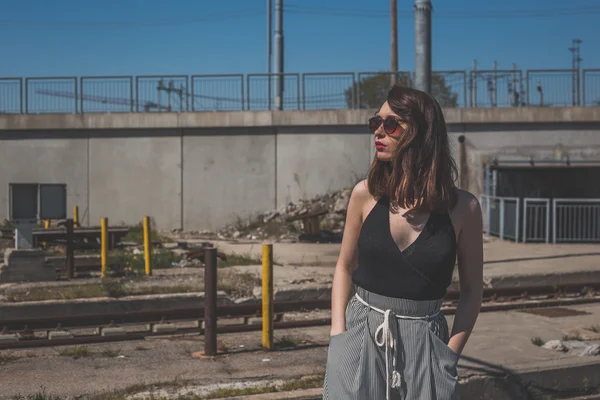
[44,24]
[493,14]
[298,10]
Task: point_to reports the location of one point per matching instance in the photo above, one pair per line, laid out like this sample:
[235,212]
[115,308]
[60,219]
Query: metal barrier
[552,88]
[590,87]
[307,91]
[11,95]
[217,93]
[106,94]
[502,216]
[543,219]
[158,93]
[51,95]
[328,91]
[576,220]
[495,88]
[262,96]
[372,87]
[536,220]
[450,88]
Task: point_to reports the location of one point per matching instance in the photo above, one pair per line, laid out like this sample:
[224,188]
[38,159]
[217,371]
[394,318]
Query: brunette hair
[422,173]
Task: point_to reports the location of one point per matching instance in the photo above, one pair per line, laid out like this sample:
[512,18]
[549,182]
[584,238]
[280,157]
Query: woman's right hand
[335,332]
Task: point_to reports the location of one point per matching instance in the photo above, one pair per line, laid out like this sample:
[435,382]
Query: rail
[302,91]
[494,300]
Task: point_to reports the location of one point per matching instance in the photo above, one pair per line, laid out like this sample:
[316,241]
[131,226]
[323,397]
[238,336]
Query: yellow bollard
[76,216]
[147,246]
[46,226]
[104,244]
[267,296]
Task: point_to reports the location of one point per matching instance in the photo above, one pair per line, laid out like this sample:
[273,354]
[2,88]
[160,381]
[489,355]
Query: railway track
[44,331]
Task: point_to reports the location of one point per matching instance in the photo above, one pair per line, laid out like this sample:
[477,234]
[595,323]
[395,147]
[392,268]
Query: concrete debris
[591,350]
[579,347]
[557,345]
[285,224]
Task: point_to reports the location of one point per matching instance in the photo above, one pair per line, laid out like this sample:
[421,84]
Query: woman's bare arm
[470,270]
[347,261]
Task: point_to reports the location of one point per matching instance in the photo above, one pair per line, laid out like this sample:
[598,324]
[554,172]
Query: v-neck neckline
[414,242]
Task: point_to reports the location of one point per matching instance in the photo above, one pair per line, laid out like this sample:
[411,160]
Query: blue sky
[134,37]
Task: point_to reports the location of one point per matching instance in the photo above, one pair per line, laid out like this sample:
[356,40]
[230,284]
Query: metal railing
[590,87]
[576,220]
[307,91]
[542,219]
[502,216]
[536,220]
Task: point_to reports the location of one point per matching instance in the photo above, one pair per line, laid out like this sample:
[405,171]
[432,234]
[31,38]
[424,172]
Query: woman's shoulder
[467,205]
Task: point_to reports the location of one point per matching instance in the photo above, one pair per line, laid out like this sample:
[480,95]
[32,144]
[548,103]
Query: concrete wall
[202,170]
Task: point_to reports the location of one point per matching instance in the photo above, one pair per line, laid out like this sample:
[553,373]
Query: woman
[406,226]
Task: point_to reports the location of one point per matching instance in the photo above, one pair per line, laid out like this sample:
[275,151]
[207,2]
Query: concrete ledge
[285,118]
[573,379]
[99,306]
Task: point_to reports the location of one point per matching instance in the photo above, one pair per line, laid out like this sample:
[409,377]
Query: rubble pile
[285,225]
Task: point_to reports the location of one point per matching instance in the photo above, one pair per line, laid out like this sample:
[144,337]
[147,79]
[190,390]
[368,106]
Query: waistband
[398,306]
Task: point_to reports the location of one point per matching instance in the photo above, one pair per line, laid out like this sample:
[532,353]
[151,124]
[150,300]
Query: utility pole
[269,50]
[394,41]
[423,45]
[576,65]
[279,54]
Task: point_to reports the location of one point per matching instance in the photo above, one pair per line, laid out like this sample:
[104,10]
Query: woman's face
[387,129]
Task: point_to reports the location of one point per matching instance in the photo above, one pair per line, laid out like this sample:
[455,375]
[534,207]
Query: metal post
[210,301]
[279,54]
[488,194]
[103,245]
[267,296]
[423,45]
[70,251]
[269,49]
[462,163]
[474,85]
[394,41]
[554,221]
[75,216]
[147,246]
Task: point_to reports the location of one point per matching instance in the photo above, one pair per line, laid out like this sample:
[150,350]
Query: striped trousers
[391,349]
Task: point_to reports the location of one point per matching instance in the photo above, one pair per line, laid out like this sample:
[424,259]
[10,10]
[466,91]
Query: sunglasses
[390,124]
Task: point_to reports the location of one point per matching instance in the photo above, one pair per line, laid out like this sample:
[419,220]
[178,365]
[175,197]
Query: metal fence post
[70,251]
[547,221]
[554,221]
[267,296]
[103,245]
[147,246]
[524,220]
[501,227]
[210,301]
[517,220]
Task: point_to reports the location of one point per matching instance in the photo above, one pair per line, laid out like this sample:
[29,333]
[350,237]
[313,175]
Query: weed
[237,284]
[537,341]
[235,259]
[593,328]
[287,342]
[572,337]
[6,358]
[136,234]
[76,352]
[110,353]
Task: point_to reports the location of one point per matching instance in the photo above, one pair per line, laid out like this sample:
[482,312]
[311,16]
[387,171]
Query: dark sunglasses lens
[374,123]
[389,125]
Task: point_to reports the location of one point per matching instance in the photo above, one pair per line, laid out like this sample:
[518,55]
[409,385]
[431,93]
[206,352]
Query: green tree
[374,89]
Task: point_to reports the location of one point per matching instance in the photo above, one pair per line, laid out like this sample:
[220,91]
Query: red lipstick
[379,146]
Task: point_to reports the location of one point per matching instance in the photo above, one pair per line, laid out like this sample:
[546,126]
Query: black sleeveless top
[421,272]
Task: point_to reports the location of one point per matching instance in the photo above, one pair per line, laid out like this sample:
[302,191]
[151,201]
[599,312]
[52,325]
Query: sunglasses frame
[389,129]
